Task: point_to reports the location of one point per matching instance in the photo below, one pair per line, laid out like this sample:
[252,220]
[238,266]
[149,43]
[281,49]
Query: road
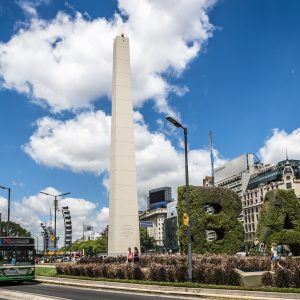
[77,293]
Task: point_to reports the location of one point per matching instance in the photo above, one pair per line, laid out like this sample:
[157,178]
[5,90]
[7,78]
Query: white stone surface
[123,203]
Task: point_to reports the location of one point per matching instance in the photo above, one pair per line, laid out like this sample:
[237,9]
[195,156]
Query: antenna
[212,158]
[286,154]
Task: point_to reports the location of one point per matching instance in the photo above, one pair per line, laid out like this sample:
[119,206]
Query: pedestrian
[274,255]
[136,255]
[263,249]
[129,256]
[256,246]
[279,250]
[286,250]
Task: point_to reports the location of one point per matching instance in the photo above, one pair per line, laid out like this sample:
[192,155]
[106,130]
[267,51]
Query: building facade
[285,175]
[236,173]
[157,217]
[171,228]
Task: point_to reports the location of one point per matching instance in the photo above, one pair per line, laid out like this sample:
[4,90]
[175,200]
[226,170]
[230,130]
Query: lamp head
[174,122]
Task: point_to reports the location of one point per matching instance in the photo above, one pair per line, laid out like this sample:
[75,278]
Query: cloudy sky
[229,65]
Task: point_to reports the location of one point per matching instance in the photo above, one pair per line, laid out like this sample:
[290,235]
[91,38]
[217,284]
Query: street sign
[146,224]
[185,219]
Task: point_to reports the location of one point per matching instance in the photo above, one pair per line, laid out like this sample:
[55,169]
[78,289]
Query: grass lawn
[45,271]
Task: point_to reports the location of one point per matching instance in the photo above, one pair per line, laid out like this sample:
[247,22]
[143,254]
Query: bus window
[8,257]
[25,256]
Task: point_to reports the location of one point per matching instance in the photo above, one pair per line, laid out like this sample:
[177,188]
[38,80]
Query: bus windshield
[16,255]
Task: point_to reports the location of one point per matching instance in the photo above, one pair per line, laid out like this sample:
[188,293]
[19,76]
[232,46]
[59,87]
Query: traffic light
[68,225]
[46,237]
[185,219]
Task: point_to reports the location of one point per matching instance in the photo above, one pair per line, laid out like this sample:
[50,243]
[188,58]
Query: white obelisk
[123,203]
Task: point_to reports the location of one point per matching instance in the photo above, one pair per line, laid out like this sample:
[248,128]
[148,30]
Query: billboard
[156,197]
[160,197]
[234,167]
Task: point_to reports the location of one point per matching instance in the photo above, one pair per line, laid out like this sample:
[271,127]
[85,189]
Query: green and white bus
[17,259]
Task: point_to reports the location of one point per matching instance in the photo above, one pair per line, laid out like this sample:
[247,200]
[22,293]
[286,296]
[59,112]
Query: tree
[147,242]
[13,229]
[90,247]
[279,220]
[212,210]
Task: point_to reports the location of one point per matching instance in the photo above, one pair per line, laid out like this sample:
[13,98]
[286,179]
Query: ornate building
[285,175]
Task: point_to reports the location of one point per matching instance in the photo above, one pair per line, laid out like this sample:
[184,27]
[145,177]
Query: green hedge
[225,221]
[279,220]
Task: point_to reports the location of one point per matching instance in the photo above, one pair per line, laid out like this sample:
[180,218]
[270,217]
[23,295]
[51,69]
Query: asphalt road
[76,293]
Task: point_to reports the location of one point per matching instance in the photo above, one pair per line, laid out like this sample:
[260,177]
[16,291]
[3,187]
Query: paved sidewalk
[169,290]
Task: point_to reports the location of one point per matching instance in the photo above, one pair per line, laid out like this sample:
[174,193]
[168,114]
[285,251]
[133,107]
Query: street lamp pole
[187,190]
[55,210]
[37,244]
[8,204]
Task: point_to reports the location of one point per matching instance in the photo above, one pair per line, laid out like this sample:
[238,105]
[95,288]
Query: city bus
[17,259]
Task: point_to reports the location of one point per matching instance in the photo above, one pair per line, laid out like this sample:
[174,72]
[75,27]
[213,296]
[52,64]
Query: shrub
[224,221]
[157,273]
[181,273]
[267,279]
[138,273]
[207,269]
[279,220]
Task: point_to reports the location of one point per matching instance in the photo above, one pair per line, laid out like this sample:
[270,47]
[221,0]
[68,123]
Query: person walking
[256,246]
[136,255]
[274,255]
[263,249]
[129,256]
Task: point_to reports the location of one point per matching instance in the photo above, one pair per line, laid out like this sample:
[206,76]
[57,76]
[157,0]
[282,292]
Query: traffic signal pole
[55,209]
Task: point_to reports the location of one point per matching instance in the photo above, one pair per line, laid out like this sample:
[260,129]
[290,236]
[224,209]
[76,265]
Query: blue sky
[243,83]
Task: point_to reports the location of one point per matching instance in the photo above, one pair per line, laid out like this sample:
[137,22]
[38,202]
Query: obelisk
[123,203]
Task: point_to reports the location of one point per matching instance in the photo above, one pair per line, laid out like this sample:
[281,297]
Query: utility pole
[8,201]
[55,210]
[212,160]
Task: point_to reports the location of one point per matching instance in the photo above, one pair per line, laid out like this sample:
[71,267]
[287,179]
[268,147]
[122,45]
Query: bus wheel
[20,281]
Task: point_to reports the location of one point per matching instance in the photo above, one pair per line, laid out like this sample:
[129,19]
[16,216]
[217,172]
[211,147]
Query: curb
[168,291]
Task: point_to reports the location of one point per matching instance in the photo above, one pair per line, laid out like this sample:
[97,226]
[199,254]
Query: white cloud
[35,209]
[79,144]
[67,62]
[274,149]
[83,144]
[29,7]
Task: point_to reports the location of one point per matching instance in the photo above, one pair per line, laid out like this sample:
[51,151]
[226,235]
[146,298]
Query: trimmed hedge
[224,221]
[203,272]
[207,269]
[279,220]
[286,275]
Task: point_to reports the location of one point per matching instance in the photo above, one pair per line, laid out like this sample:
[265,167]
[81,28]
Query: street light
[8,203]
[55,209]
[178,125]
[37,243]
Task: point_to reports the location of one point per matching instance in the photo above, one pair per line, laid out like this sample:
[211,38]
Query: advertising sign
[234,167]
